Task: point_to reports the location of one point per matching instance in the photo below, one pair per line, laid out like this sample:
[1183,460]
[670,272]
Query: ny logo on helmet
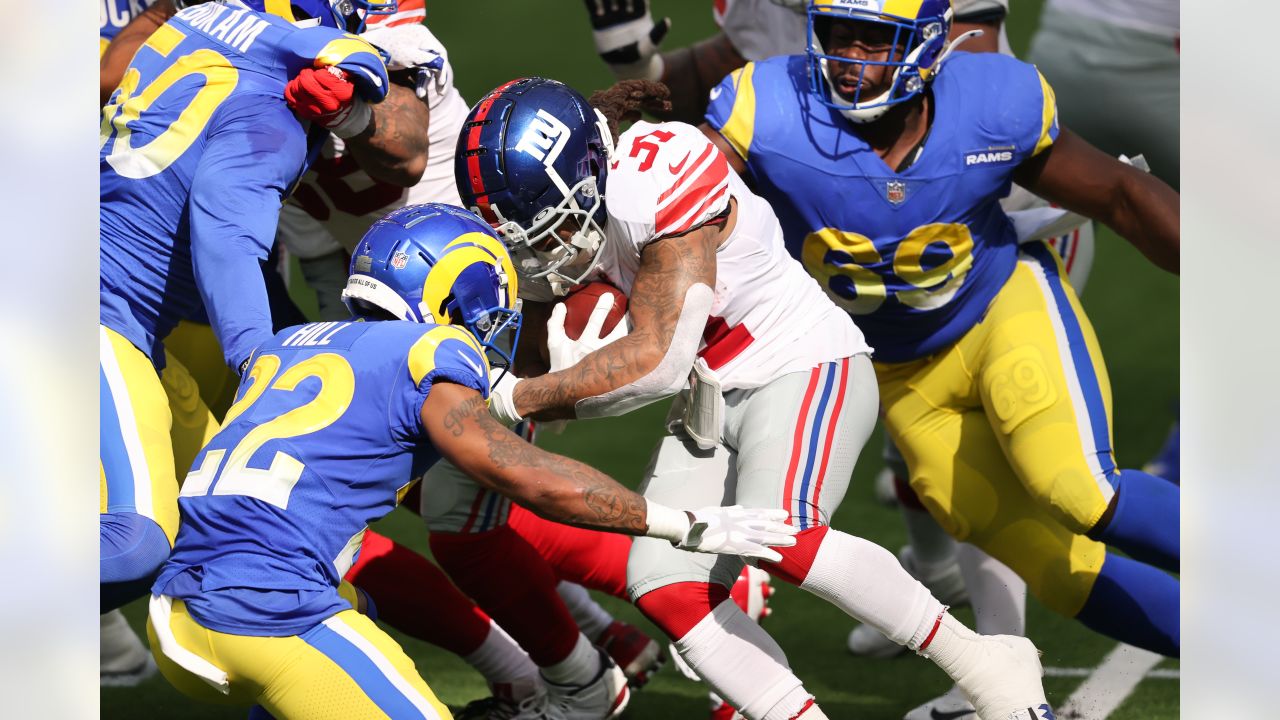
[545,138]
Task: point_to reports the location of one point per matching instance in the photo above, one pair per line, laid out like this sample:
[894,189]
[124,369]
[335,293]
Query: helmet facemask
[916,51]
[561,248]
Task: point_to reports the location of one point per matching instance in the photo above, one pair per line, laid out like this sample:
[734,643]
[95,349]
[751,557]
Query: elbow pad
[671,373]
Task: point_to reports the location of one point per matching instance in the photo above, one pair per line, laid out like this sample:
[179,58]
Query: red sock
[797,559]
[593,559]
[416,598]
[676,608]
[506,576]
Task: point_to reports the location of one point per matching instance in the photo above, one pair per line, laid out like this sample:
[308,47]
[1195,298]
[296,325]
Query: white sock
[997,594]
[579,668]
[867,582]
[949,645]
[933,548]
[502,663]
[591,618]
[742,664]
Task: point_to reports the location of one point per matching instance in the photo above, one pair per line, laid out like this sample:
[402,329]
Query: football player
[1005,423]
[331,422]
[198,149]
[775,392]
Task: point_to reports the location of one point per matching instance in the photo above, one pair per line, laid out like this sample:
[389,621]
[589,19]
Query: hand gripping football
[582,300]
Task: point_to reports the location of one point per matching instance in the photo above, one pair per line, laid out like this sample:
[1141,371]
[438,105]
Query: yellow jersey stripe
[165,39]
[1048,118]
[741,125]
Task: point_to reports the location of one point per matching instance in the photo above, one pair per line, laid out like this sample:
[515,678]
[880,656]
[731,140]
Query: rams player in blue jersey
[885,169]
[198,149]
[332,424]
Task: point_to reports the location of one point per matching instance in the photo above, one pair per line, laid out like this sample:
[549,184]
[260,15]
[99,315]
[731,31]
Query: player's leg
[507,577]
[138,491]
[962,476]
[432,609]
[195,346]
[343,668]
[1046,392]
[193,424]
[687,595]
[593,559]
[799,449]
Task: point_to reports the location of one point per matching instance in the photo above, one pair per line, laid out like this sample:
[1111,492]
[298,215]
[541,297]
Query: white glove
[627,38]
[413,47]
[564,352]
[735,530]
[502,399]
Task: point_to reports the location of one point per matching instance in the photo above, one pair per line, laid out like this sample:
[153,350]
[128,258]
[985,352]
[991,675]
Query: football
[582,300]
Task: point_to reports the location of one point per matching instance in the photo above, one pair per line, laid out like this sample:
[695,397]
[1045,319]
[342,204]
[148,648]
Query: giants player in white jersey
[776,393]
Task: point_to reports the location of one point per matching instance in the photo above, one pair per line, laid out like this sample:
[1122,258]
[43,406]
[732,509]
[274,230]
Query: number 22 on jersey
[275,483]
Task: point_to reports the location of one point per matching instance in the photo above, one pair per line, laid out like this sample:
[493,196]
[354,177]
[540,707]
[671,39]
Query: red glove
[325,96]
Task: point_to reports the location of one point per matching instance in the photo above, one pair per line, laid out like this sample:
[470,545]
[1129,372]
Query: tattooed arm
[557,488]
[458,424]
[393,149]
[669,304]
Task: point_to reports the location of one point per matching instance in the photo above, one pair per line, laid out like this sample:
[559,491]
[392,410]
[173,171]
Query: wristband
[356,120]
[666,523]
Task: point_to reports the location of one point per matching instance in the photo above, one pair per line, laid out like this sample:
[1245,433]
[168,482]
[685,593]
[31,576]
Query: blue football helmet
[348,15]
[532,160]
[439,264]
[920,29]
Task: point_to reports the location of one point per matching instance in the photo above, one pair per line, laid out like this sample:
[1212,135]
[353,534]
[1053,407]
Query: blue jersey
[198,151]
[914,256]
[323,439]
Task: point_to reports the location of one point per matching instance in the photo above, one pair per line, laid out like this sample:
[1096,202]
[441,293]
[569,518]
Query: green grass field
[1134,308]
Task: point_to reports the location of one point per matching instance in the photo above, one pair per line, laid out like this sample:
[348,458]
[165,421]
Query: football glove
[564,352]
[734,530]
[627,38]
[326,96]
[502,400]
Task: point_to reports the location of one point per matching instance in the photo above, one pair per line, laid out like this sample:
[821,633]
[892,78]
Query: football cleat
[1003,680]
[501,706]
[123,661]
[946,584]
[951,705]
[605,697]
[637,654]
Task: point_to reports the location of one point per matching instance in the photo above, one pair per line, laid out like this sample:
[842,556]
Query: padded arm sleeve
[672,372]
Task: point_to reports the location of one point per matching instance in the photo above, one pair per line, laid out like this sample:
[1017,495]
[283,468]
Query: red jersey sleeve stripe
[709,186]
[687,174]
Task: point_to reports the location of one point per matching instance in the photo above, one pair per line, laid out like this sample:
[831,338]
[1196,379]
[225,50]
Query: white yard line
[1106,687]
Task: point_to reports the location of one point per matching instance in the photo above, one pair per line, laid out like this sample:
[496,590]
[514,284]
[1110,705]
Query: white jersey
[336,201]
[769,317]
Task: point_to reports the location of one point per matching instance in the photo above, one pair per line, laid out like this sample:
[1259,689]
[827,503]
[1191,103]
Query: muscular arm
[691,72]
[115,60]
[1139,207]
[393,149]
[658,352]
[557,488]
[531,354]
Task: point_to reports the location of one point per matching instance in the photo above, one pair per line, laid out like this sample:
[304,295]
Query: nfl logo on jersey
[399,260]
[895,191]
